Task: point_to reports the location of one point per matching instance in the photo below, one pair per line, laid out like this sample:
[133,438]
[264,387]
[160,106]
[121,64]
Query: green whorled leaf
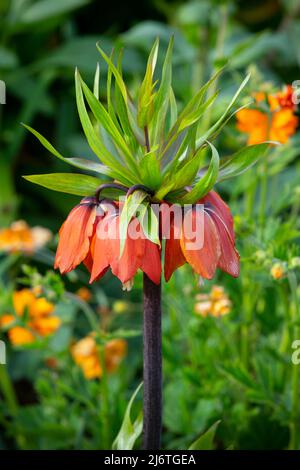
[129,431]
[93,138]
[196,101]
[70,183]
[162,97]
[205,441]
[195,115]
[187,173]
[215,127]
[97,82]
[146,93]
[149,223]
[173,108]
[150,170]
[130,208]
[242,160]
[107,122]
[206,183]
[115,71]
[195,107]
[81,163]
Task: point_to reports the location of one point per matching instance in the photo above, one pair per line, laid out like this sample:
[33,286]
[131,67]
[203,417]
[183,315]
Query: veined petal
[220,207]
[203,260]
[74,236]
[229,260]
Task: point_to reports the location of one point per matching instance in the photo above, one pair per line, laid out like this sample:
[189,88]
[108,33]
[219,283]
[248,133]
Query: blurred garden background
[74,351]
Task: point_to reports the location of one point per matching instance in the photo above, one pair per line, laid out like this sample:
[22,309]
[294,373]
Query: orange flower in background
[36,312]
[85,353]
[278,123]
[19,237]
[216,303]
[84,294]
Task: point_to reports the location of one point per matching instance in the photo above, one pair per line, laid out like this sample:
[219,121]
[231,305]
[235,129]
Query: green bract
[148,142]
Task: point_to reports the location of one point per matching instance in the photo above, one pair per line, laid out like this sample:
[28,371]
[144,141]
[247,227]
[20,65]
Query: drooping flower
[33,317]
[19,237]
[138,253]
[75,235]
[273,119]
[218,248]
[87,355]
[216,303]
[94,230]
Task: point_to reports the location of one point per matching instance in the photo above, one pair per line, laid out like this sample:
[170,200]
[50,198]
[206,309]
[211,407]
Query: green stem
[8,391]
[294,316]
[263,194]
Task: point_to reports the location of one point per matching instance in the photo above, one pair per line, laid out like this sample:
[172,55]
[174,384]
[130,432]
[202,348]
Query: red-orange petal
[132,257]
[151,264]
[74,237]
[229,260]
[204,260]
[221,208]
[174,258]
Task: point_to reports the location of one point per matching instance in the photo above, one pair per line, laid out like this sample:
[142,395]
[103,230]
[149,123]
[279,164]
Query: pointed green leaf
[70,183]
[205,441]
[81,163]
[150,170]
[129,432]
[107,122]
[131,206]
[242,160]
[212,129]
[206,183]
[146,94]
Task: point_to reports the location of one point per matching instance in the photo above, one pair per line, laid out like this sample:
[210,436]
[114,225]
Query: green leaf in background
[206,183]
[242,160]
[70,183]
[8,58]
[205,441]
[130,431]
[47,9]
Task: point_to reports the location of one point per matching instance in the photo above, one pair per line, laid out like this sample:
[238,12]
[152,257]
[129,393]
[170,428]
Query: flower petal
[229,260]
[74,237]
[151,264]
[220,207]
[204,260]
[174,258]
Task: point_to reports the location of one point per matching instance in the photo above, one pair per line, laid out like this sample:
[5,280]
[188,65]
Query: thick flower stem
[152,365]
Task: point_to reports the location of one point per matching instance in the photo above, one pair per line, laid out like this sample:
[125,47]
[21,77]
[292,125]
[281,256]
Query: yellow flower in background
[37,314]
[277,271]
[19,237]
[216,303]
[85,353]
[278,124]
